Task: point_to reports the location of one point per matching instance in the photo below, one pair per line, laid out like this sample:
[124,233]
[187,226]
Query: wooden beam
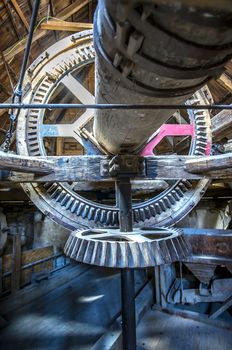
[211,163]
[25,164]
[225,306]
[92,168]
[20,13]
[66,26]
[136,186]
[11,18]
[4,89]
[72,9]
[221,124]
[18,47]
[51,10]
[225,81]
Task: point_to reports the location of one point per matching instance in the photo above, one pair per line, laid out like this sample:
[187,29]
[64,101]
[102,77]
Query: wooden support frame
[94,168]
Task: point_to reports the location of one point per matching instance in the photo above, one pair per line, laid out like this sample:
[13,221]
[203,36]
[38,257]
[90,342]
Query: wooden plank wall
[27,257]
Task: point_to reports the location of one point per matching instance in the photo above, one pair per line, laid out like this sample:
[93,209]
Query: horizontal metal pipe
[111,106]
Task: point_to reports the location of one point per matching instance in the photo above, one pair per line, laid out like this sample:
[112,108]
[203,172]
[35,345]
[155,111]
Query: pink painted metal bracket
[167,130]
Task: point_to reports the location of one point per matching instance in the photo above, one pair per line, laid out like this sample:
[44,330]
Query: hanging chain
[13,116]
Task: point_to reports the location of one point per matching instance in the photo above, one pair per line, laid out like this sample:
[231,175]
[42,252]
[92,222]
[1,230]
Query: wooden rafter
[20,13]
[12,51]
[8,9]
[225,81]
[66,26]
[221,124]
[52,13]
[72,9]
[4,89]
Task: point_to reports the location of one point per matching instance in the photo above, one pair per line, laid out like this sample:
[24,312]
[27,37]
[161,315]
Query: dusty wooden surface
[160,331]
[66,26]
[91,168]
[73,315]
[207,164]
[221,124]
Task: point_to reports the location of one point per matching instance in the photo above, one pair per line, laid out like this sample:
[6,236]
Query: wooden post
[16,263]
[1,276]
[59,146]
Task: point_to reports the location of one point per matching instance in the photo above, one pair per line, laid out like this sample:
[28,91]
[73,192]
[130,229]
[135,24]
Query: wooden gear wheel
[63,66]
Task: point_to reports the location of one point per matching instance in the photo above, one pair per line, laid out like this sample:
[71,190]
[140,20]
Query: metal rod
[128,309]
[124,202]
[110,106]
[28,46]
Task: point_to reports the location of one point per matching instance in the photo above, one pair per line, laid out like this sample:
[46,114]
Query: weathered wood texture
[64,14]
[138,186]
[112,338]
[27,257]
[72,315]
[20,13]
[89,168]
[16,263]
[29,294]
[66,26]
[206,164]
[13,32]
[159,331]
[225,81]
[221,124]
[25,164]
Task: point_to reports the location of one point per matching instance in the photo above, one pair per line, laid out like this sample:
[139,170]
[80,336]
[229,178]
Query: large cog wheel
[55,68]
[136,249]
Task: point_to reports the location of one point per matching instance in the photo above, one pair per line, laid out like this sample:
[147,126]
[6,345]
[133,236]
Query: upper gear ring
[58,200]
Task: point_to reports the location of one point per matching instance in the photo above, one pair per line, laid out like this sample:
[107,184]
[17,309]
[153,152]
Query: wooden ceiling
[14,21]
[76,15]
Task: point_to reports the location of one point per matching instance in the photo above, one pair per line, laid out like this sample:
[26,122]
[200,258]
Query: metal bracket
[123,166]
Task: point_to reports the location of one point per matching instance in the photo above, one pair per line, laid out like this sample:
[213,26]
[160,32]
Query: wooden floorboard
[160,331]
[71,316]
